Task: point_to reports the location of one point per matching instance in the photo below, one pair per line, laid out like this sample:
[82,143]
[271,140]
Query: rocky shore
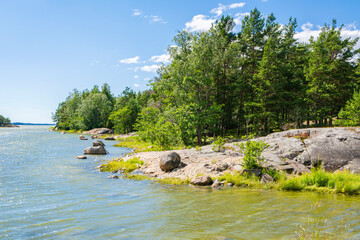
[293,151]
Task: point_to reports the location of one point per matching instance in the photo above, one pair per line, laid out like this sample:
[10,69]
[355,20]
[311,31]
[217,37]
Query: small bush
[218,144]
[197,148]
[252,153]
[292,184]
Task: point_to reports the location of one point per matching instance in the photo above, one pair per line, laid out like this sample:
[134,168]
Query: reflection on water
[46,193]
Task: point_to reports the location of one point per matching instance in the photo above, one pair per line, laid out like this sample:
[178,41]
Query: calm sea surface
[46,193]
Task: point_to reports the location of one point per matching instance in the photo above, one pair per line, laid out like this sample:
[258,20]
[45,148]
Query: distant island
[5,122]
[21,123]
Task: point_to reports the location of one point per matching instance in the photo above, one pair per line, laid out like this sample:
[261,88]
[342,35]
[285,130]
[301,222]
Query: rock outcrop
[299,150]
[98,148]
[293,151]
[99,131]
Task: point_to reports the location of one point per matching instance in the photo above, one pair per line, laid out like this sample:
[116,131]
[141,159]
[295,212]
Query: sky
[49,47]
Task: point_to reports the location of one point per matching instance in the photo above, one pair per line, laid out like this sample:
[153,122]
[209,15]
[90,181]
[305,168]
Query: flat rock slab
[81,157]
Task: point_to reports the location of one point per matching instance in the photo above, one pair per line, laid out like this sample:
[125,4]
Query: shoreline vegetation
[226,88]
[5,122]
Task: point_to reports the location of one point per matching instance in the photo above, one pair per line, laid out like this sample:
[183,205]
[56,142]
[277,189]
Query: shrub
[218,144]
[252,153]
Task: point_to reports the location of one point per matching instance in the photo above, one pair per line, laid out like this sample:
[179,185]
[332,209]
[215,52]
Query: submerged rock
[82,137]
[169,161]
[81,157]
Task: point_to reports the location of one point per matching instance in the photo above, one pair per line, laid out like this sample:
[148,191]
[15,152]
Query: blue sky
[48,48]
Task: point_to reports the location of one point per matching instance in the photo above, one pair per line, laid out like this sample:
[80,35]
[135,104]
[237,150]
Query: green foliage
[252,153]
[120,164]
[4,121]
[255,81]
[95,110]
[218,144]
[197,148]
[319,180]
[243,181]
[350,114]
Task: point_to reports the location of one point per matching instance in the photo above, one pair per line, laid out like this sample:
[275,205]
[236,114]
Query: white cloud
[199,23]
[150,68]
[239,17]
[136,85]
[137,12]
[130,60]
[152,18]
[136,76]
[147,79]
[155,19]
[308,31]
[221,8]
[164,58]
[236,5]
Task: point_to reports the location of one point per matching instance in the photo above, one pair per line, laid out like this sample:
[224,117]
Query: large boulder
[98,148]
[169,161]
[202,181]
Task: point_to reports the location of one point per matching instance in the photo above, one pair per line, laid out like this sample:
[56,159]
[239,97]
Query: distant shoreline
[20,123]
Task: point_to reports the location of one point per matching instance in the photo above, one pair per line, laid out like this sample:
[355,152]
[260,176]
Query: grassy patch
[174,181]
[244,181]
[120,164]
[316,181]
[321,181]
[141,146]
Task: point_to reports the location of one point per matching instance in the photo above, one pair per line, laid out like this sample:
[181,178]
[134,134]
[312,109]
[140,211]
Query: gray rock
[217,184]
[333,148]
[230,184]
[82,137]
[81,157]
[236,168]
[266,178]
[98,143]
[201,181]
[96,150]
[114,176]
[169,161]
[109,138]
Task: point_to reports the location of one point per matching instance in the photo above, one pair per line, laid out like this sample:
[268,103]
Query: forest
[220,82]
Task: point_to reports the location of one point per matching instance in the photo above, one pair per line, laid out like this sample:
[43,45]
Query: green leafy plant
[197,148]
[218,144]
[252,153]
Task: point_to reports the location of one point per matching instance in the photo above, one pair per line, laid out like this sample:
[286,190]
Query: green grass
[317,181]
[244,181]
[173,181]
[141,146]
[120,164]
[321,181]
